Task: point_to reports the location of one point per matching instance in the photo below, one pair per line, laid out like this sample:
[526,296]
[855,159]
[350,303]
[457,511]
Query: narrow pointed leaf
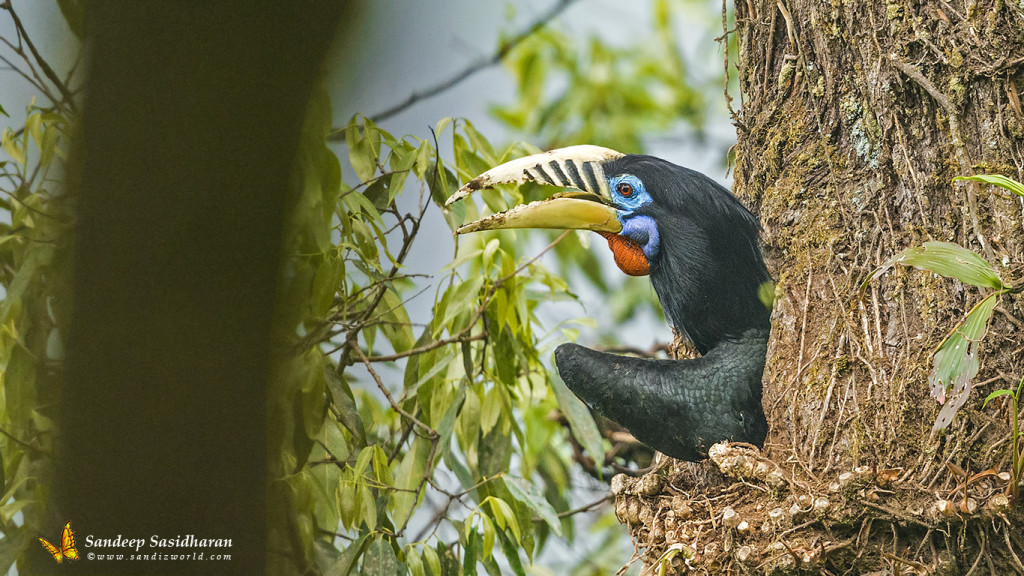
[527,494]
[996,180]
[951,261]
[580,421]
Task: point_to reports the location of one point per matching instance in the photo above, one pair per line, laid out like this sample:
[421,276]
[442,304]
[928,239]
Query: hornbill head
[700,246]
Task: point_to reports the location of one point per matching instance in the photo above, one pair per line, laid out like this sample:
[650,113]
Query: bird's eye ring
[625,189]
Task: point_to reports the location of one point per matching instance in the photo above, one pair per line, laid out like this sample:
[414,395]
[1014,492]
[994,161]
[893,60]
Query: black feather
[679,407]
[710,269]
[708,275]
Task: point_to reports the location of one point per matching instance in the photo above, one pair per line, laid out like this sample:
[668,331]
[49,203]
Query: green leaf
[480,143]
[441,125]
[951,261]
[511,554]
[380,560]
[381,468]
[396,324]
[360,152]
[469,422]
[364,459]
[996,180]
[424,160]
[34,127]
[346,562]
[440,365]
[457,299]
[11,546]
[472,550]
[345,403]
[488,537]
[48,147]
[401,167]
[495,453]
[490,249]
[491,565]
[956,361]
[433,560]
[19,382]
[490,410]
[505,517]
[368,507]
[409,476]
[976,322]
[463,257]
[527,494]
[414,562]
[580,421]
[12,147]
[346,496]
[997,394]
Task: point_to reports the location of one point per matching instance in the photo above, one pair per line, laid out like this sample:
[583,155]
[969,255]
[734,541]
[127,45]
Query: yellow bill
[559,213]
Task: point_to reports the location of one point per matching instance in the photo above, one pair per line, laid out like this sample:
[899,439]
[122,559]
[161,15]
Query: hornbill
[700,246]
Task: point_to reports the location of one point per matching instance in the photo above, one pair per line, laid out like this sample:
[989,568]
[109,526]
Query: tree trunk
[855,117]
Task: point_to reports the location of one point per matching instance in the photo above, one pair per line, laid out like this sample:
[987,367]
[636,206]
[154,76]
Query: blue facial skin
[637,227]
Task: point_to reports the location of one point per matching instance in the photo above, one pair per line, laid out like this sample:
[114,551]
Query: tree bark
[854,118]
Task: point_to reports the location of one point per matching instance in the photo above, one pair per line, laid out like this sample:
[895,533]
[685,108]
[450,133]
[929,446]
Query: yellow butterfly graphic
[67,545]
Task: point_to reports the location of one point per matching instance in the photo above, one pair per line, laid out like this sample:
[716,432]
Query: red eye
[625,189]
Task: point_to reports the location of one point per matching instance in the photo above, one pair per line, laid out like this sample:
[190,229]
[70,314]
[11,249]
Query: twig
[908,562]
[1013,319]
[68,96]
[581,509]
[21,442]
[958,145]
[387,394]
[470,70]
[428,347]
[22,73]
[925,83]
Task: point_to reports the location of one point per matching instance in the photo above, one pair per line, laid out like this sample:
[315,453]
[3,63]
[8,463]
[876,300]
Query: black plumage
[708,275]
[701,247]
[679,407]
[709,272]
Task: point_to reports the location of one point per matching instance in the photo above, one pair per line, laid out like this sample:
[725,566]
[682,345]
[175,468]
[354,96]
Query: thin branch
[463,335]
[428,347]
[585,508]
[21,442]
[22,73]
[470,70]
[914,74]
[68,96]
[387,394]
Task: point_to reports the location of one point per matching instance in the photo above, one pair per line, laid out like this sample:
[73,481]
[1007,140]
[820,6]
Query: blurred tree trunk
[190,131]
[854,118]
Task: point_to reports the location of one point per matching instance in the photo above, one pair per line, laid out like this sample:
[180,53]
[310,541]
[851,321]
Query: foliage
[474,393]
[610,89]
[1016,436]
[394,445]
[437,453]
[32,316]
[956,359]
[34,250]
[605,94]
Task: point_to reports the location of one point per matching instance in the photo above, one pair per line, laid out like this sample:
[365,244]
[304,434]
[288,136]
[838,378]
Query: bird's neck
[714,300]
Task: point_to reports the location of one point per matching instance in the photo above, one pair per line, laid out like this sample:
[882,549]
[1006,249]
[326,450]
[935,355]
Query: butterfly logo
[67,545]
